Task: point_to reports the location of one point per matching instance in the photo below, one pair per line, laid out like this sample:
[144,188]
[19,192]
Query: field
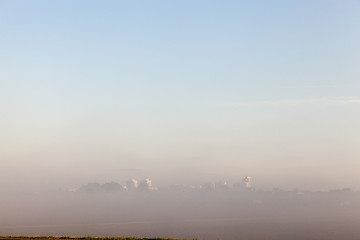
[78,238]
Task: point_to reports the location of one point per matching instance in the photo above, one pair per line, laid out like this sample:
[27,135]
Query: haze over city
[185,93]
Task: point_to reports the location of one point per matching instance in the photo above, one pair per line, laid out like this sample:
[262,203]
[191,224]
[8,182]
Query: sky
[180,92]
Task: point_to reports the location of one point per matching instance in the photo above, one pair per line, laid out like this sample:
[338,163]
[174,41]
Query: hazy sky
[180,91]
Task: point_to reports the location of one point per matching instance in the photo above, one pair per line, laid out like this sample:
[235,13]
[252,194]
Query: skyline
[180,90]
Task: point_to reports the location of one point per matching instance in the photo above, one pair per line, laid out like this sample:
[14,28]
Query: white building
[245,183]
[132,184]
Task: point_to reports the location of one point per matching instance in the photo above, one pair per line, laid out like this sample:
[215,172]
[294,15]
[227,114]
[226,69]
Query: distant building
[245,184]
[110,187]
[210,186]
[221,186]
[146,184]
[132,184]
[246,181]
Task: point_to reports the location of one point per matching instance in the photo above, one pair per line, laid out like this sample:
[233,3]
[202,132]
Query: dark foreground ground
[77,238]
[250,229]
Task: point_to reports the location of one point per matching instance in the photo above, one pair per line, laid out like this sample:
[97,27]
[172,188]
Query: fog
[213,210]
[142,118]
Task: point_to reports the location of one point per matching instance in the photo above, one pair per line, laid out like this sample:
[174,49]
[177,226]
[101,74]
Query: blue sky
[216,89]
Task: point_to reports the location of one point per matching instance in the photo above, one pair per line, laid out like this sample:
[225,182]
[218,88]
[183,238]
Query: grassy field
[78,238]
